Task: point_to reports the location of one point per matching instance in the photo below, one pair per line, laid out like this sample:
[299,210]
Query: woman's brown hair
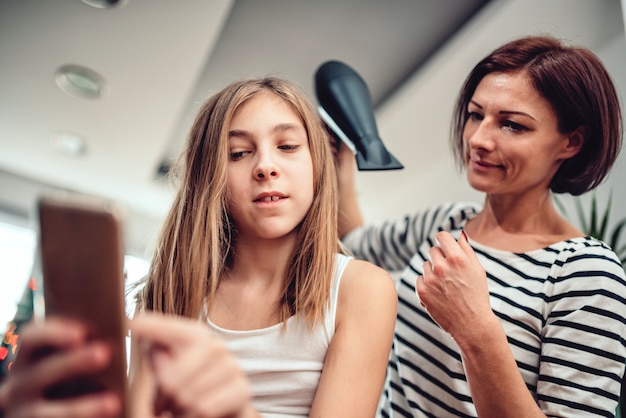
[580,90]
[195,246]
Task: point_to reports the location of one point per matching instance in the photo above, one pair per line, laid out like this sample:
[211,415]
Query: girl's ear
[575,141]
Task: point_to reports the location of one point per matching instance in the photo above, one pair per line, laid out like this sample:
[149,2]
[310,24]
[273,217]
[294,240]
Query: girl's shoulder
[367,299]
[363,281]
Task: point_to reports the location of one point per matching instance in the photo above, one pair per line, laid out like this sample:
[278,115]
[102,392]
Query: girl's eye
[234,156]
[289,147]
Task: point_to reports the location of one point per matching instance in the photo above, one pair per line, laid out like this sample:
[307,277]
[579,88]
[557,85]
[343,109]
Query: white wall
[418,117]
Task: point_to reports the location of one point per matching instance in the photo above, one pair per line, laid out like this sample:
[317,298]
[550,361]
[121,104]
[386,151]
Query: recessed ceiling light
[68,143]
[105,4]
[81,82]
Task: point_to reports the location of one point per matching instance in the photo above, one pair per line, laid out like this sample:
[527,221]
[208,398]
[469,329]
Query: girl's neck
[262,259]
[249,295]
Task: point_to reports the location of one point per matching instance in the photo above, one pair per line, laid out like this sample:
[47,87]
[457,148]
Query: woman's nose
[480,135]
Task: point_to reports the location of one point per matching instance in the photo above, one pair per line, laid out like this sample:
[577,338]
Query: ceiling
[160,59]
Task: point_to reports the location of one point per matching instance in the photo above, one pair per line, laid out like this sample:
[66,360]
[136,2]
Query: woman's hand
[453,288]
[196,375]
[51,352]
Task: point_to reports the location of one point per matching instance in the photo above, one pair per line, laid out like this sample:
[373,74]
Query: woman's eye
[512,126]
[475,116]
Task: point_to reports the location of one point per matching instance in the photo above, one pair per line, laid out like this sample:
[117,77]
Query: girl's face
[270,172]
[512,144]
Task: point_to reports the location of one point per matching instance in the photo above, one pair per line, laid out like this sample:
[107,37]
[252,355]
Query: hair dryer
[346,108]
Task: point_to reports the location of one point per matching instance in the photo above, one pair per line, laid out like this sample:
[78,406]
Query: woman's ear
[575,141]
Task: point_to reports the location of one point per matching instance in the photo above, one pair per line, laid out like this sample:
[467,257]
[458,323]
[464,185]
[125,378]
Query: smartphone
[82,265]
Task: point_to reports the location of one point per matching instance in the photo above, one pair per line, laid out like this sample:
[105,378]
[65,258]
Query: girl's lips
[270,203]
[269,198]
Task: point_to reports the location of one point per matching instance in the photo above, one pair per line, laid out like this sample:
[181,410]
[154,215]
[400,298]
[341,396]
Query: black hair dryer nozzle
[346,108]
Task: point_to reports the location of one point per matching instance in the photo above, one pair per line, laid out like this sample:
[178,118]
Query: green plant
[596,224]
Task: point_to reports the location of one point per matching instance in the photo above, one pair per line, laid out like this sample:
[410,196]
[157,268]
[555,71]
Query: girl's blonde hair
[195,246]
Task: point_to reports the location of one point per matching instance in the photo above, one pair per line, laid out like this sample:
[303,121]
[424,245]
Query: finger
[420,282]
[62,366]
[165,330]
[427,270]
[163,404]
[447,243]
[436,257]
[227,399]
[204,360]
[464,242]
[419,286]
[100,405]
[466,247]
[39,339]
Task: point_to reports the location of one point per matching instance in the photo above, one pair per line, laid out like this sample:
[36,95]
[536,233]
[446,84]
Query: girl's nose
[261,174]
[265,168]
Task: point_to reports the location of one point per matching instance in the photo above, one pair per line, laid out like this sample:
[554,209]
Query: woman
[256,311]
[505,308]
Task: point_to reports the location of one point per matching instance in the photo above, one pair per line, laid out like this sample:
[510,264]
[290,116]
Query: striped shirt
[563,309]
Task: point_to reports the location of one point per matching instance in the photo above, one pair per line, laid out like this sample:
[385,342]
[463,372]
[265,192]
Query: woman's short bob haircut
[574,81]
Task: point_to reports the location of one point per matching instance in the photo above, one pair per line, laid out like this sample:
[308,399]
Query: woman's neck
[518,224]
[520,215]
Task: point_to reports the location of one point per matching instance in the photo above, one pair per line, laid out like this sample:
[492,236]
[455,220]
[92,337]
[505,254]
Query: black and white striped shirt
[562,307]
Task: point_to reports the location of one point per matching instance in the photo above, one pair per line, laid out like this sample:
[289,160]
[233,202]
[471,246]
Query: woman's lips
[483,165]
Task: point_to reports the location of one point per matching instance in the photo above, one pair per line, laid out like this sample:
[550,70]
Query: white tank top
[284,367]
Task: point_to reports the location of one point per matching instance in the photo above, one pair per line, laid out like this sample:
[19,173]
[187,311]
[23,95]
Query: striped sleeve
[392,244]
[583,352]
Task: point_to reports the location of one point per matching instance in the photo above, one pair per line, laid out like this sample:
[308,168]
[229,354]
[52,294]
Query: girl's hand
[453,288]
[52,352]
[196,375]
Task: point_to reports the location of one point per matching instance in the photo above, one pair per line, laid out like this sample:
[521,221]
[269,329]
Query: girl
[258,311]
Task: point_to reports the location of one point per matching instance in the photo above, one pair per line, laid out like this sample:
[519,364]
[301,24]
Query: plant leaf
[605,218]
[621,254]
[616,234]
[593,222]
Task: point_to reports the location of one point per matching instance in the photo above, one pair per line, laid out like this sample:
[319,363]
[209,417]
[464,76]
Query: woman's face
[512,144]
[270,171]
